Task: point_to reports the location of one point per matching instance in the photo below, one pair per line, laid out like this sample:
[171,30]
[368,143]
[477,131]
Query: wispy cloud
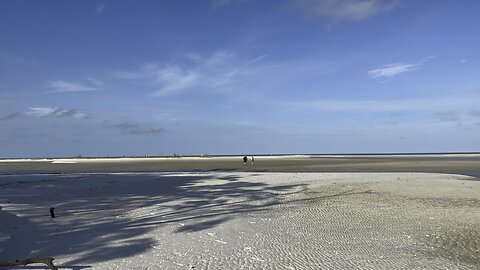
[134,128]
[335,10]
[11,116]
[60,86]
[55,112]
[346,10]
[12,59]
[220,3]
[95,82]
[46,112]
[100,8]
[220,69]
[389,71]
[448,116]
[259,58]
[385,106]
[475,113]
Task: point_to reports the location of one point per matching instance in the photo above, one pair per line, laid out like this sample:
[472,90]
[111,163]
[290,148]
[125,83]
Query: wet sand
[461,164]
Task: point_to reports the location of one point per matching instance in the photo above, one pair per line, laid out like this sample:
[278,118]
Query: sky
[124,77]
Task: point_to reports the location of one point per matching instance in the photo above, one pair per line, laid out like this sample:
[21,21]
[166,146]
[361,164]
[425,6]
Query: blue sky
[106,78]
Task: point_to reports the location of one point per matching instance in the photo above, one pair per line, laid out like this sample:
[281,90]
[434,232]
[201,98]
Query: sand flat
[440,163]
[243,220]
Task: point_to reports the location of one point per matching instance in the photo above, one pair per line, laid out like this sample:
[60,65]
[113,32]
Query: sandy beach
[226,215]
[239,134]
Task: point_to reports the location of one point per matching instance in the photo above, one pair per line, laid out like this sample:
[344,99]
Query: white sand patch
[143,159]
[65,161]
[27,160]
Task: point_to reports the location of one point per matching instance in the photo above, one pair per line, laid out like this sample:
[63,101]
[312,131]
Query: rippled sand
[244,220]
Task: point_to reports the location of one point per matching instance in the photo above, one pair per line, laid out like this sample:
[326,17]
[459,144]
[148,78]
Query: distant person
[253,160]
[245,160]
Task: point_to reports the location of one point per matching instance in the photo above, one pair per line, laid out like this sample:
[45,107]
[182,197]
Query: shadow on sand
[67,267]
[103,217]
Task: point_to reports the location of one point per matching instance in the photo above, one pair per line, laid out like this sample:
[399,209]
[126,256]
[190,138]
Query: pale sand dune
[243,220]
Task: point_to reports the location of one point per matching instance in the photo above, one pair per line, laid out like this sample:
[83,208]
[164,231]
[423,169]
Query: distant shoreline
[147,157]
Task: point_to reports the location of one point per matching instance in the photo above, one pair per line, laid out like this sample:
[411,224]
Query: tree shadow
[103,217]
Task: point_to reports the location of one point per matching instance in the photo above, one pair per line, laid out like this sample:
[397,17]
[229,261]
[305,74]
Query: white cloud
[391,70]
[346,10]
[55,112]
[387,72]
[60,86]
[197,73]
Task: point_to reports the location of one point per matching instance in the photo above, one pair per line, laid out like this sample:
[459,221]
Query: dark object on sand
[245,160]
[52,213]
[48,261]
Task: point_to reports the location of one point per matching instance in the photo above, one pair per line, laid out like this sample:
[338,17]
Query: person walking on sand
[253,160]
[245,160]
